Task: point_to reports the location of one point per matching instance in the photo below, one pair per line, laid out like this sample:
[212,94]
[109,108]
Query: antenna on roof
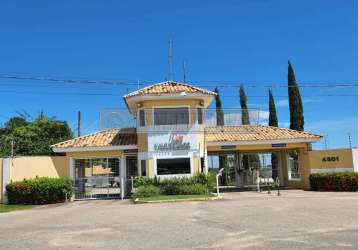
[184,71]
[170,60]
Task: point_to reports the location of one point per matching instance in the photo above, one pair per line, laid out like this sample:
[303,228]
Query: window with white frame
[173,166]
[171,116]
[293,166]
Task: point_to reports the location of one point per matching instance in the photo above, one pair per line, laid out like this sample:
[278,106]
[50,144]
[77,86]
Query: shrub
[145,181]
[193,189]
[146,191]
[198,184]
[346,181]
[40,190]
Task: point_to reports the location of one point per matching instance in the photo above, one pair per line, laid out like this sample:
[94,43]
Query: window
[173,166]
[293,166]
[200,116]
[171,116]
[143,166]
[141,118]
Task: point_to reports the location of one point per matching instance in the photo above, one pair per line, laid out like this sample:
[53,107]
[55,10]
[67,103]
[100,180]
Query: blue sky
[231,42]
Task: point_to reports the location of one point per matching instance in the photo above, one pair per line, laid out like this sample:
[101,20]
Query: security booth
[178,134]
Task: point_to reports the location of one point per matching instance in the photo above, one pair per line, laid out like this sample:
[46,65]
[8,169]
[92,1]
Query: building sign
[175,142]
[330,158]
[279,145]
[130,151]
[228,147]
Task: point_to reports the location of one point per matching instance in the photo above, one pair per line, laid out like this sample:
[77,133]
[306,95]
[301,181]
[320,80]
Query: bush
[198,184]
[146,191]
[193,189]
[40,190]
[145,181]
[346,181]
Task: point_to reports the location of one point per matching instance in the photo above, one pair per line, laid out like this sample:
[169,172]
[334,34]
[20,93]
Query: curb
[138,201]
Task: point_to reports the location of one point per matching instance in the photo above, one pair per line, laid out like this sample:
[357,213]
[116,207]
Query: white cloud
[282,103]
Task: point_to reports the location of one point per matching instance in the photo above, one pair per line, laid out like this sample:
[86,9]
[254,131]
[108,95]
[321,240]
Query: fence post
[217,180]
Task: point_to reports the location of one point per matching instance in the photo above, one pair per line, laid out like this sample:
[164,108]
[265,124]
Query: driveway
[247,220]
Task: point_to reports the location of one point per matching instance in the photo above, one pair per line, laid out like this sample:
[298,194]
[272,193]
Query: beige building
[178,135]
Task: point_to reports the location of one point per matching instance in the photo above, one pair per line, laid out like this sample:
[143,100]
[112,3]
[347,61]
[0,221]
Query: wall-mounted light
[139,105]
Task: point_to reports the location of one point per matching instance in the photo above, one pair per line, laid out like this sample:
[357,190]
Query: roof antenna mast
[170,60]
[184,72]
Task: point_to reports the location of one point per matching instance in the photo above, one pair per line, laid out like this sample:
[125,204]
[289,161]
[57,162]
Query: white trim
[257,142]
[330,170]
[89,149]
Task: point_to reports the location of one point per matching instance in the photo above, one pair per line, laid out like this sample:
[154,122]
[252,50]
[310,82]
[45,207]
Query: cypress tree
[220,122]
[273,122]
[295,101]
[272,108]
[219,110]
[245,118]
[248,160]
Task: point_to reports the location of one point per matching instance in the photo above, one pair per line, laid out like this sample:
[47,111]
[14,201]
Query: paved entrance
[245,220]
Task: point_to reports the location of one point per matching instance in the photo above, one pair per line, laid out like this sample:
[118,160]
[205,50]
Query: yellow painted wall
[30,167]
[344,154]
[142,141]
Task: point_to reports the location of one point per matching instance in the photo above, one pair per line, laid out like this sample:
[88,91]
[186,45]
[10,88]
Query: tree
[295,101]
[273,122]
[272,108]
[248,160]
[220,122]
[219,110]
[33,138]
[245,118]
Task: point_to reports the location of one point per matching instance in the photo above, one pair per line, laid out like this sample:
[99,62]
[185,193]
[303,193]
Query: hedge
[197,184]
[39,190]
[345,181]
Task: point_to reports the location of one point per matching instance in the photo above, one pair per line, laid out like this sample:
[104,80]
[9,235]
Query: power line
[219,84]
[117,95]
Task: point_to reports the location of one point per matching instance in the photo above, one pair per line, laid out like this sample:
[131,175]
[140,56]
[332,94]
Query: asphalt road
[248,220]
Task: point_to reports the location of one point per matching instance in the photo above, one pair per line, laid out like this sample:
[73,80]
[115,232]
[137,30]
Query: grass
[8,208]
[176,197]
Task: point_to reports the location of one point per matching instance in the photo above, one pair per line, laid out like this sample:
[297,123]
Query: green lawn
[176,197]
[8,208]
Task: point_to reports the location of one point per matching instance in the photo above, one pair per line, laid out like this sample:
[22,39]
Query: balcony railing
[177,119]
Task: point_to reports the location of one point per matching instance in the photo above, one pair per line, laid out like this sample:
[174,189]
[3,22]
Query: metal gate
[97,178]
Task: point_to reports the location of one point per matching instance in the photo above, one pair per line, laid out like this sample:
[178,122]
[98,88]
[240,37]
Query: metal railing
[182,119]
[98,187]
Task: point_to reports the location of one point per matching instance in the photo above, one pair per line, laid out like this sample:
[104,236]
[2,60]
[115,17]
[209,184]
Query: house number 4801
[330,158]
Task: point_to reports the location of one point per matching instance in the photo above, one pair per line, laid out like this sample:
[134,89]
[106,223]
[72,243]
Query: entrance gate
[97,178]
[242,169]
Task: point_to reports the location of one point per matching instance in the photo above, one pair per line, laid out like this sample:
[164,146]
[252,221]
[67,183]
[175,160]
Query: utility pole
[350,140]
[12,148]
[184,72]
[326,142]
[170,60]
[79,123]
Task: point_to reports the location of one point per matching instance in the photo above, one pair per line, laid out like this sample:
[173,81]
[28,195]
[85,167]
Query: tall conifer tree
[295,101]
[245,118]
[272,108]
[273,121]
[220,122]
[219,110]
